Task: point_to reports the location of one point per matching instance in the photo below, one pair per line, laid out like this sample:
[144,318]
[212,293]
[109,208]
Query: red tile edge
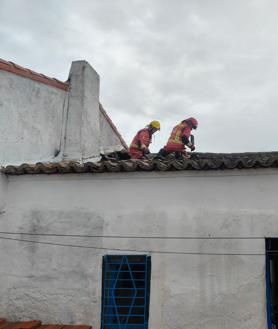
[112,126]
[26,73]
[35,324]
[2,322]
[27,325]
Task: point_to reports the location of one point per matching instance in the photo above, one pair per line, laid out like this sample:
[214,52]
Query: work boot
[178,155]
[161,155]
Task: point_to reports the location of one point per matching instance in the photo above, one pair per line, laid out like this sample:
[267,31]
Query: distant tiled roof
[26,73]
[198,161]
[4,324]
[110,122]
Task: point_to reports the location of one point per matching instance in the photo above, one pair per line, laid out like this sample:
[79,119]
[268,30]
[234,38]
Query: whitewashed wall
[3,191]
[31,116]
[63,284]
[109,141]
[88,132]
[43,123]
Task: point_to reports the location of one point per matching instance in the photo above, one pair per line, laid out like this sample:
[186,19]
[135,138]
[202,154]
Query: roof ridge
[132,165]
[30,74]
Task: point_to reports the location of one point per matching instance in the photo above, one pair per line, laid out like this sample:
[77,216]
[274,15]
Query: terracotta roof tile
[198,161]
[26,325]
[53,326]
[24,72]
[35,324]
[6,325]
[74,327]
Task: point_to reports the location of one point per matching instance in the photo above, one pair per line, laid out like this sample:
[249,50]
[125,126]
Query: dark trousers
[163,153]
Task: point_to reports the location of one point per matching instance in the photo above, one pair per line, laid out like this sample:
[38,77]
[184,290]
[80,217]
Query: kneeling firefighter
[180,137]
[140,144]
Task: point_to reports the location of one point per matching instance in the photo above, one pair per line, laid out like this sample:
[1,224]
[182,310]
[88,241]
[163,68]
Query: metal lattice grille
[125,292]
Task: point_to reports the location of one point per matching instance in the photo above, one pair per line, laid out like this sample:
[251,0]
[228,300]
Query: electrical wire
[138,237]
[133,250]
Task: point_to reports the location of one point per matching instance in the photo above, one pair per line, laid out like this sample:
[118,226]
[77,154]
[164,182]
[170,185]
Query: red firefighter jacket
[142,137]
[175,142]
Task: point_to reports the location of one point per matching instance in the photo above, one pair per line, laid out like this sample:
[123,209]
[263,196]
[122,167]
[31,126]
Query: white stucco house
[129,243]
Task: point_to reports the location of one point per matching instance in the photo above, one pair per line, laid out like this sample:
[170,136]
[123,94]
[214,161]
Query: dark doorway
[272,282]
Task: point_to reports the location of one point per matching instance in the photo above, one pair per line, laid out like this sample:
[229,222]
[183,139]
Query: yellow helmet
[155,124]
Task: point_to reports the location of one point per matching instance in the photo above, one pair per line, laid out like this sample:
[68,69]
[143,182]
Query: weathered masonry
[43,119]
[115,260]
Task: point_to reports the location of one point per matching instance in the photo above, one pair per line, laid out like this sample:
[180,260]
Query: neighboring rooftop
[72,123]
[26,73]
[198,161]
[5,324]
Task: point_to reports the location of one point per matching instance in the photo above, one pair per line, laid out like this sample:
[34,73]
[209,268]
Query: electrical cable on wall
[138,237]
[134,250]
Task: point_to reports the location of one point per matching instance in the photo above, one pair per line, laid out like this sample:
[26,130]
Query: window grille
[125,291]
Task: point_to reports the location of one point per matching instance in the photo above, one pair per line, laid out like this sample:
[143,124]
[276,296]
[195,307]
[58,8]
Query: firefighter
[140,144]
[180,137]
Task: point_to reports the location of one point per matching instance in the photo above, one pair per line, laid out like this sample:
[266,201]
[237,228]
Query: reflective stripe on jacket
[175,141]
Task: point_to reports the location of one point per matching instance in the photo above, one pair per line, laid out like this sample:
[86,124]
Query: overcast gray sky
[162,60]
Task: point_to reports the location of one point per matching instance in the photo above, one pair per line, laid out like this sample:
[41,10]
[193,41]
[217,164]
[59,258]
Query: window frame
[123,266]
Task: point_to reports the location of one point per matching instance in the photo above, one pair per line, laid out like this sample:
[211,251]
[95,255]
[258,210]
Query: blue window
[272,282]
[125,291]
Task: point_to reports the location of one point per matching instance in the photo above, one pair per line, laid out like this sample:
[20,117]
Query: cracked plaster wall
[62,284]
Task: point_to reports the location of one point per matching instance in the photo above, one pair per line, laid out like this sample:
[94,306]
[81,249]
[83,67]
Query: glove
[191,146]
[146,151]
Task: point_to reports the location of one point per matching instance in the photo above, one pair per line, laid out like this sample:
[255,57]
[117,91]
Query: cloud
[161,59]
